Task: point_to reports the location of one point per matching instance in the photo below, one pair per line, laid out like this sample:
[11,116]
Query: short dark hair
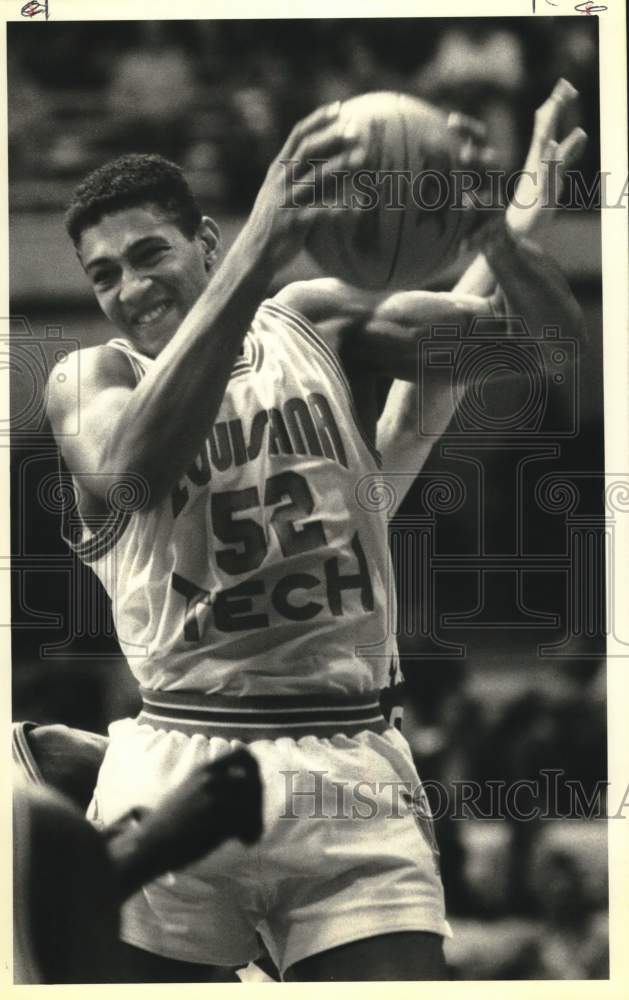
[131,180]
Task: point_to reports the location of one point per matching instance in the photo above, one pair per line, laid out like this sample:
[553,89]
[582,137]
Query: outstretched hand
[539,188]
[529,279]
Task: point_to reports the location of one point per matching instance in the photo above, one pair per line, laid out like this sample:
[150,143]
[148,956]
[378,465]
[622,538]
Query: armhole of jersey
[132,356]
[112,525]
[109,531]
[301,325]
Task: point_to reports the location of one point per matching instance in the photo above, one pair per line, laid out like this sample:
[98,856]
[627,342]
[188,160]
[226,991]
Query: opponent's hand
[300,185]
[538,189]
[218,800]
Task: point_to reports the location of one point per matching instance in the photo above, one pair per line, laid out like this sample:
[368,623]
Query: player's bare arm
[380,321]
[384,329]
[380,332]
[376,334]
[379,329]
[532,207]
[531,287]
[542,291]
[154,430]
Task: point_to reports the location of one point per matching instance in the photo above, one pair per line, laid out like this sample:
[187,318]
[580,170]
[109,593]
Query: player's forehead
[117,232]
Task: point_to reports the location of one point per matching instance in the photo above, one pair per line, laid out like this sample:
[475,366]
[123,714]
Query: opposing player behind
[247,584]
[71,880]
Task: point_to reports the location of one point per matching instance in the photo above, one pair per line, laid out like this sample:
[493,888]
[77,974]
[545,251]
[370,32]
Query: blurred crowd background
[527,899]
[220,97]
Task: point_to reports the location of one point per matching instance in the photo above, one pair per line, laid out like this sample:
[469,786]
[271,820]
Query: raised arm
[531,281]
[533,205]
[153,430]
[384,327]
[379,334]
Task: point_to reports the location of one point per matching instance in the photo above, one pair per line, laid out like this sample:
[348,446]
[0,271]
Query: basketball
[393,224]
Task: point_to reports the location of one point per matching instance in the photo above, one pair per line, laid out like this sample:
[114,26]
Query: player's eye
[150,256]
[103,279]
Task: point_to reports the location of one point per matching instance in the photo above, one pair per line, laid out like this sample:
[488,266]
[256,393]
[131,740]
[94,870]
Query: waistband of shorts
[252,718]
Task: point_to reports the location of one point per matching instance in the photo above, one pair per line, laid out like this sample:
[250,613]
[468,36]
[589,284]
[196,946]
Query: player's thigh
[134,965]
[405,955]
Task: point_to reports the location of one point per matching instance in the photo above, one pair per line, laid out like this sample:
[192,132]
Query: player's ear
[210,236]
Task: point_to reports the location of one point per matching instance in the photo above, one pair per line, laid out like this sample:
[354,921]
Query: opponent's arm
[219,799]
[533,284]
[154,430]
[381,332]
[535,197]
[535,290]
[383,328]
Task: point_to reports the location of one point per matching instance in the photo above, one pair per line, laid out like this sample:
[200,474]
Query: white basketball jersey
[261,573]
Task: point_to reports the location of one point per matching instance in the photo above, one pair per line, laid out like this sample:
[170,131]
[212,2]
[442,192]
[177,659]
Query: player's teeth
[153,314]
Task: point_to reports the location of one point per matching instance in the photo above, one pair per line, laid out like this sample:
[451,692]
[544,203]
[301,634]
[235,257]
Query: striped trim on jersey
[106,530]
[265,718]
[136,359]
[301,326]
[22,753]
[249,360]
[103,540]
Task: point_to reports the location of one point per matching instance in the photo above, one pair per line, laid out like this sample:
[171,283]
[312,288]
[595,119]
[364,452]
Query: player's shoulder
[102,363]
[94,369]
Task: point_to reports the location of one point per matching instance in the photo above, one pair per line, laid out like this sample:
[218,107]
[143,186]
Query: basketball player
[62,757]
[215,473]
[70,880]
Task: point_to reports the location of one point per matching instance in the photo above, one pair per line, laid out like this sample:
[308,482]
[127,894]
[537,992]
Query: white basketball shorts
[347,851]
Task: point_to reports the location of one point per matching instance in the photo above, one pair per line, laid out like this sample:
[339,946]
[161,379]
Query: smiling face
[146,274]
